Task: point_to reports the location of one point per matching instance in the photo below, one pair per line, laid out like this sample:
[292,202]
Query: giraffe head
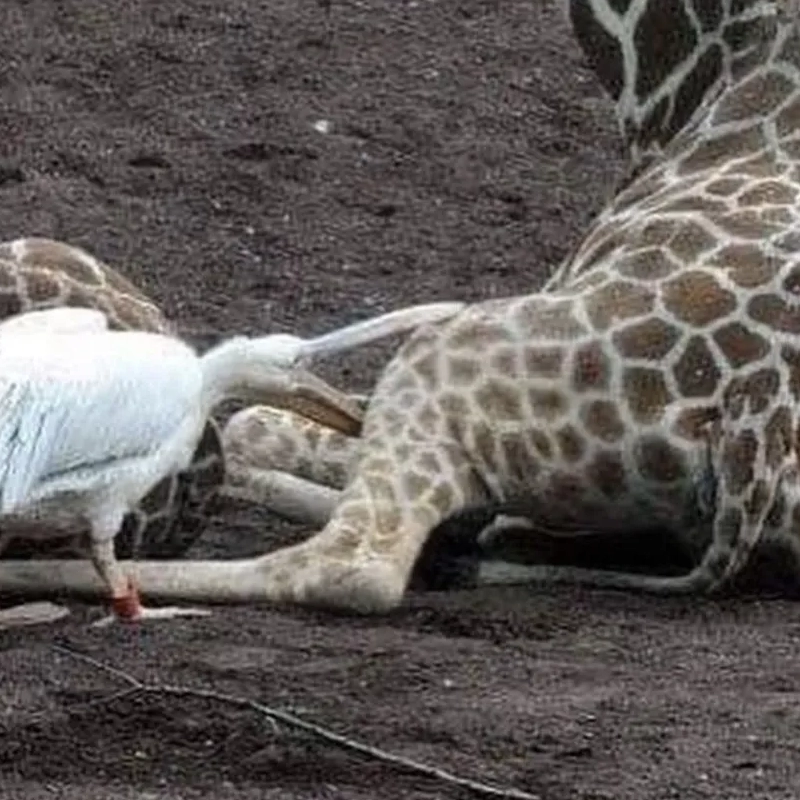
[662,60]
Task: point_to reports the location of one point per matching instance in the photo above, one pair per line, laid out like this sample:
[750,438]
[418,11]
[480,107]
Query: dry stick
[140,687]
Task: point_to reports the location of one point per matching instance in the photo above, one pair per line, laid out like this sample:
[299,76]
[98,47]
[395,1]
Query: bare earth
[467,149]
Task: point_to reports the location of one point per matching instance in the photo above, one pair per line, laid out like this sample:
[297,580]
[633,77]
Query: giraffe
[653,381]
[660,63]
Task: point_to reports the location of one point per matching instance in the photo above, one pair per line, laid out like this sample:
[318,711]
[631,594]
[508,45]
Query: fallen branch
[137,687]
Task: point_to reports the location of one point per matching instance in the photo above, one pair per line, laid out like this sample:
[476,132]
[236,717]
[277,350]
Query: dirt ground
[260,166]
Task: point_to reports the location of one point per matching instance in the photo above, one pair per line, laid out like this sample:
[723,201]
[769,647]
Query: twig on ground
[135,686]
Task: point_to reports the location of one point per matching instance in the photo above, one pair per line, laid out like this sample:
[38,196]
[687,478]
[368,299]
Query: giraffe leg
[292,465]
[361,561]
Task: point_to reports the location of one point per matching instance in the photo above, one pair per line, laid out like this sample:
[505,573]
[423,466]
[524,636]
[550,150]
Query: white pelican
[91,419]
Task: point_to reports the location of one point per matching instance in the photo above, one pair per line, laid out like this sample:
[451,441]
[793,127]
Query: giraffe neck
[663,61]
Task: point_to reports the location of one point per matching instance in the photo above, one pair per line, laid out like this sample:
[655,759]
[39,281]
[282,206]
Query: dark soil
[468,147]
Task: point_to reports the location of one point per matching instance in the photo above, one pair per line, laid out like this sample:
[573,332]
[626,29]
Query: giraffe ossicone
[654,381]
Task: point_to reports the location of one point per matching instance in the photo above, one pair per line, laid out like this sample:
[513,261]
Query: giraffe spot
[664,38]
[756,391]
[426,370]
[709,12]
[791,48]
[768,193]
[617,301]
[754,98]
[652,339]
[741,34]
[590,368]
[659,461]
[695,203]
[694,87]
[646,393]
[646,265]
[504,362]
[454,404]
[690,241]
[791,283]
[778,437]
[762,165]
[499,401]
[570,443]
[696,371]
[485,446]
[658,232]
[791,357]
[568,492]
[601,419]
[428,419]
[547,403]
[725,187]
[10,304]
[443,499]
[777,512]
[414,485]
[422,341]
[463,371]
[790,242]
[540,442]
[720,149]
[778,215]
[544,362]
[430,463]
[602,49]
[747,265]
[477,335]
[693,423]
[520,463]
[41,286]
[788,121]
[740,345]
[541,317]
[353,515]
[653,127]
[738,461]
[775,312]
[696,298]
[607,473]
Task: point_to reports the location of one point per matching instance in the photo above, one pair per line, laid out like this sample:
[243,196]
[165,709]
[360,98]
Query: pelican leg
[125,603]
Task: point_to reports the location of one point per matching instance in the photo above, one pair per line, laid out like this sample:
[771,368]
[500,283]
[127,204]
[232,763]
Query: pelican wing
[81,401]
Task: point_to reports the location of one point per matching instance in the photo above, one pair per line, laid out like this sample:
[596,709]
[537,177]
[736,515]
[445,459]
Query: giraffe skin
[659,86]
[664,351]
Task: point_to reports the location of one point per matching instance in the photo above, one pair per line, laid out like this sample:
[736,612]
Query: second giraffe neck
[665,61]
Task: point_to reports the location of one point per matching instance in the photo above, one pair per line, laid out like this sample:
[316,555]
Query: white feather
[56,320]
